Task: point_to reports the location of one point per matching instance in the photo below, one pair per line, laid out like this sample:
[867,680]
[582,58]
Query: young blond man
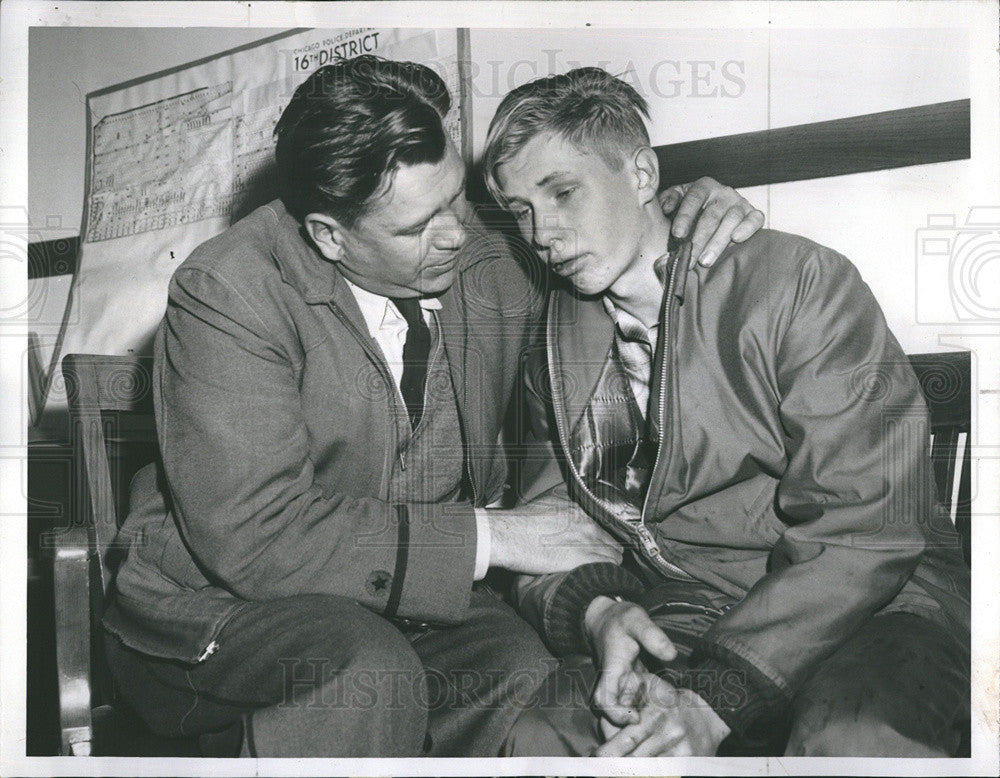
[788,585]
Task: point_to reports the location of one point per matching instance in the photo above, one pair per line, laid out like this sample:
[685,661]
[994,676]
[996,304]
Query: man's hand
[617,631]
[548,535]
[671,722]
[719,214]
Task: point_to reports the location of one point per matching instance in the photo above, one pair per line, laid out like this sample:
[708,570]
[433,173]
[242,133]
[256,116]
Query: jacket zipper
[649,542]
[665,370]
[384,372]
[465,395]
[649,546]
[431,360]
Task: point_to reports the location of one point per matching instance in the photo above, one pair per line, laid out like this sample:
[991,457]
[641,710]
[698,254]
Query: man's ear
[327,234]
[647,172]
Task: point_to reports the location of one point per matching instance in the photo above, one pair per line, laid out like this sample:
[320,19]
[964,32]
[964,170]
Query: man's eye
[562,194]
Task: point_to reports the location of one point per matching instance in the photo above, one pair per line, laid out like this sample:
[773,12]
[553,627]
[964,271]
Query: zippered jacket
[792,473]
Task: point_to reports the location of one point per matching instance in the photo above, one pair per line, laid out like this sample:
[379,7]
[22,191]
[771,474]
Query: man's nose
[449,234]
[548,234]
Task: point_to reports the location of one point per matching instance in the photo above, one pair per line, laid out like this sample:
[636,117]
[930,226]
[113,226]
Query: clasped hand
[641,713]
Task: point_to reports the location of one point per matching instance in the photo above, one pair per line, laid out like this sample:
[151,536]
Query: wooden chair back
[113,433]
[946,383]
[110,402]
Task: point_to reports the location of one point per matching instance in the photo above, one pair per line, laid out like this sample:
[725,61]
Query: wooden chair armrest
[71,586]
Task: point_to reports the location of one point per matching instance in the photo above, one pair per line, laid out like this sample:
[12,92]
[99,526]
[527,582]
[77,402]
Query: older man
[331,377]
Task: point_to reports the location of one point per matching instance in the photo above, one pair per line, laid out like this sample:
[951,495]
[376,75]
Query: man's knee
[506,658]
[525,664]
[362,662]
[537,732]
[897,687]
[856,737]
[354,688]
[559,720]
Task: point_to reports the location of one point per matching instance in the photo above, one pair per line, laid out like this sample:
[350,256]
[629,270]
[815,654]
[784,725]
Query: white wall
[64,65]
[709,83]
[706,83]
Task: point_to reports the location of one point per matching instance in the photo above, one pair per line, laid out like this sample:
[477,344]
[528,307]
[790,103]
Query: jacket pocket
[152,614]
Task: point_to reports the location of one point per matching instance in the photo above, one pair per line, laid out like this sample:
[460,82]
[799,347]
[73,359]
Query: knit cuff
[564,614]
[750,705]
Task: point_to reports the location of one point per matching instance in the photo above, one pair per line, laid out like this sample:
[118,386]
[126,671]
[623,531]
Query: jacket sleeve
[554,604]
[854,497]
[234,442]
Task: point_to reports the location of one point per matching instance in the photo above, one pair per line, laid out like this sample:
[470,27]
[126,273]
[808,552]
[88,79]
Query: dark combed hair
[349,127]
[589,107]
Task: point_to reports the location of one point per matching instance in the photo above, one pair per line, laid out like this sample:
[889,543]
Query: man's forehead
[550,159]
[414,190]
[541,160]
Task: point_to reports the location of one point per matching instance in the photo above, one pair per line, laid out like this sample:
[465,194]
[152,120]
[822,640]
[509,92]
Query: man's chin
[586,287]
[434,284]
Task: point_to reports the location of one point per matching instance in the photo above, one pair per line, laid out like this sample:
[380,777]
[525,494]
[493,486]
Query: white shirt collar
[379,311]
[628,325]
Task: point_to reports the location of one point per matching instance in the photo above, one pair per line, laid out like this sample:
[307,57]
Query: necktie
[416,351]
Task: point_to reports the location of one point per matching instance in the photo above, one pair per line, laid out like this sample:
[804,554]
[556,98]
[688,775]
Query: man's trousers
[319,675]
[899,686]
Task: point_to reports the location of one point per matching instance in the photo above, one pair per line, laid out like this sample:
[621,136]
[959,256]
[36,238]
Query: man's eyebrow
[551,177]
[418,224]
[415,225]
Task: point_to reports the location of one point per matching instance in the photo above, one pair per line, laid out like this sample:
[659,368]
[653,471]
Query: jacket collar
[580,334]
[679,257]
[315,278]
[311,274]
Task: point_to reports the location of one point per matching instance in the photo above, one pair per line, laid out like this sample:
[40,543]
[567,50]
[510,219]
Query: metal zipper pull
[210,649]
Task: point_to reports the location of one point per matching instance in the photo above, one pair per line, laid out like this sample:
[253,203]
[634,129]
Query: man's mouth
[563,267]
[445,262]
